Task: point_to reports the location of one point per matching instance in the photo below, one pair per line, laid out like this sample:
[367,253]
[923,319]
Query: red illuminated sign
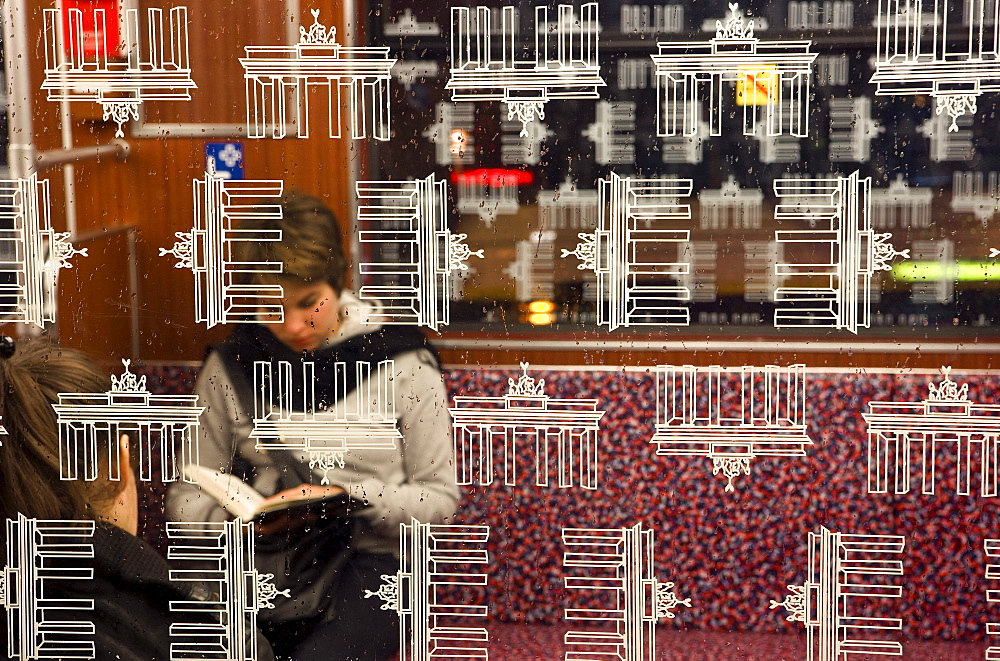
[75,29]
[493,177]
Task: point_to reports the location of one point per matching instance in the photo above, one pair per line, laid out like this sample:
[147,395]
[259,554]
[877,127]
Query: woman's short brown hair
[310,249]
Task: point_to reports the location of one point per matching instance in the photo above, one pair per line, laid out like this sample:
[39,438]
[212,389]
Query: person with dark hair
[131,588]
[328,565]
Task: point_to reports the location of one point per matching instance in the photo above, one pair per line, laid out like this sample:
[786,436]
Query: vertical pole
[133,290]
[21,149]
[350,40]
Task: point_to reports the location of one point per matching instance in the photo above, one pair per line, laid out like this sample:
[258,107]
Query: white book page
[235,495]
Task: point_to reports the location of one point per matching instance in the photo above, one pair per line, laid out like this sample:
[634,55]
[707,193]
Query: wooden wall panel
[218,32]
[878,352]
[95,298]
[152,190]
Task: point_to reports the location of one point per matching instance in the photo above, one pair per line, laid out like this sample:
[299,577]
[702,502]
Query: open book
[243,501]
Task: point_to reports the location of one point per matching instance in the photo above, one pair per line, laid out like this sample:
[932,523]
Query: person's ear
[125,460]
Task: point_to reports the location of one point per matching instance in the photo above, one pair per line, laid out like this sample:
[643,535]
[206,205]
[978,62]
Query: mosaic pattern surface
[713,541]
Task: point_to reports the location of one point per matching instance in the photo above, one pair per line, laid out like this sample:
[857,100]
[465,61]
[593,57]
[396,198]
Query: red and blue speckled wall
[731,553]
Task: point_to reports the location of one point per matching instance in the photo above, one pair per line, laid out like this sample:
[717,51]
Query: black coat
[132,591]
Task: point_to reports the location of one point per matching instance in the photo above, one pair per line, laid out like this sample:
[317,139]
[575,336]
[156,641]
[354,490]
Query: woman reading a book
[130,588]
[330,561]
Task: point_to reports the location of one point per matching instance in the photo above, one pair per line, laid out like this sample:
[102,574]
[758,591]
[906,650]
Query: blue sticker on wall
[228,158]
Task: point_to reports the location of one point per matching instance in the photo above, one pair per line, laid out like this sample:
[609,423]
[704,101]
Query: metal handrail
[118,149]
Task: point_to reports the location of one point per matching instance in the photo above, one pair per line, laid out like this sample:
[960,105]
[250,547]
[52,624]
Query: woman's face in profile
[311,315]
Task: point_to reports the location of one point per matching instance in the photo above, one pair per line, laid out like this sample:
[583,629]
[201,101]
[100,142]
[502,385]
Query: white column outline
[685,69]
[636,216]
[366,421]
[221,554]
[901,204]
[161,74]
[479,74]
[977,193]
[683,148]
[852,130]
[526,412]
[837,290]
[40,551]
[730,206]
[278,79]
[839,569]
[992,548]
[898,430]
[220,296]
[917,54]
[613,132]
[37,251]
[412,283]
[434,556]
[128,408]
[619,560]
[771,421]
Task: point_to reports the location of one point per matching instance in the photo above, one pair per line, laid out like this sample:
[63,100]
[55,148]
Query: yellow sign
[757,86]
[963,271]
